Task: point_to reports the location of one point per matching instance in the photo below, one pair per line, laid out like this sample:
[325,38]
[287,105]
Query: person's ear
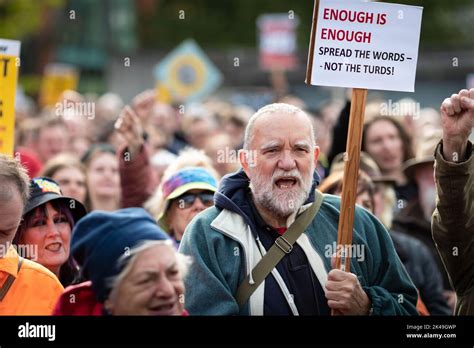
[316,154]
[243,158]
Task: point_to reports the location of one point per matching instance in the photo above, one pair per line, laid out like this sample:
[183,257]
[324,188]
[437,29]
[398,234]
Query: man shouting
[256,206]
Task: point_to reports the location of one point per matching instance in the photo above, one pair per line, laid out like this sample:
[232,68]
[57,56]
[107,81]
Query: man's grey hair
[273,108]
[130,257]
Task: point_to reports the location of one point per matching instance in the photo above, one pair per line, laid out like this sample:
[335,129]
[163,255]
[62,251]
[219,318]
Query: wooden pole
[279,83]
[351,173]
[312,42]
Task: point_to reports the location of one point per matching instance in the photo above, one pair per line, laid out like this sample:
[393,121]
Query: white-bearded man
[256,205]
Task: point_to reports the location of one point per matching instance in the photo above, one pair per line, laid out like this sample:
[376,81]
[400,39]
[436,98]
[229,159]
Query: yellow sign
[163,94]
[9,62]
[57,79]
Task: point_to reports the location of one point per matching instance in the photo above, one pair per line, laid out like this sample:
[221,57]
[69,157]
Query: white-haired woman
[130,264]
[151,283]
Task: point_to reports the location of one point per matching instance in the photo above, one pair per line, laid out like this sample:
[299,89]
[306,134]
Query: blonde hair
[61,161]
[389,201]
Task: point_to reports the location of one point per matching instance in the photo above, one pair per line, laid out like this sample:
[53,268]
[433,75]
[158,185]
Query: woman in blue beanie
[131,266]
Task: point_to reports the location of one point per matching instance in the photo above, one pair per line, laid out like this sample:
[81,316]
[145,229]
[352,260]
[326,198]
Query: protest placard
[9,63]
[277,41]
[57,78]
[365,45]
[187,74]
[361,45]
[163,94]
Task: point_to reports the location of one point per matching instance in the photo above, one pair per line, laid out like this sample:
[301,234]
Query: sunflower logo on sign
[187,73]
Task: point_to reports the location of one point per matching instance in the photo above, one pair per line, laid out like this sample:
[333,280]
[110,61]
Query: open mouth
[164,309]
[53,247]
[285,183]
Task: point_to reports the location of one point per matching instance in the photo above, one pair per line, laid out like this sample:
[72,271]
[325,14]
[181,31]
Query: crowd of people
[219,209]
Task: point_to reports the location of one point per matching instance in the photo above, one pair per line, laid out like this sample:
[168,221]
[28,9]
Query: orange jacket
[34,291]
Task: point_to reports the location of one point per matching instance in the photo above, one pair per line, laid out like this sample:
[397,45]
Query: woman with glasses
[182,196]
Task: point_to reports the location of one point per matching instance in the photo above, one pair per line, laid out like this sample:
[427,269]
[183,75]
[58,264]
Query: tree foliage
[226,23]
[20,18]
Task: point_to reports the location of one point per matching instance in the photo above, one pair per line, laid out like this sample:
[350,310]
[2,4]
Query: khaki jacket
[453,225]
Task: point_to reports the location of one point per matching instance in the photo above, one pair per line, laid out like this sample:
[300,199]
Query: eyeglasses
[187,200]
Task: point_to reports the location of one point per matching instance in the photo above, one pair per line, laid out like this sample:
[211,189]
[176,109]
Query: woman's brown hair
[61,161]
[404,136]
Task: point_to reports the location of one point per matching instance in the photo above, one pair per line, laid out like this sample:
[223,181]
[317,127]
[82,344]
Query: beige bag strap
[283,245]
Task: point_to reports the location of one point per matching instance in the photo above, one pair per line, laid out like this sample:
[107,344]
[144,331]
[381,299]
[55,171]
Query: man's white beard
[279,202]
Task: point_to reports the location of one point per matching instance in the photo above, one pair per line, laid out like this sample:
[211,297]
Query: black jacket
[422,269]
[410,221]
